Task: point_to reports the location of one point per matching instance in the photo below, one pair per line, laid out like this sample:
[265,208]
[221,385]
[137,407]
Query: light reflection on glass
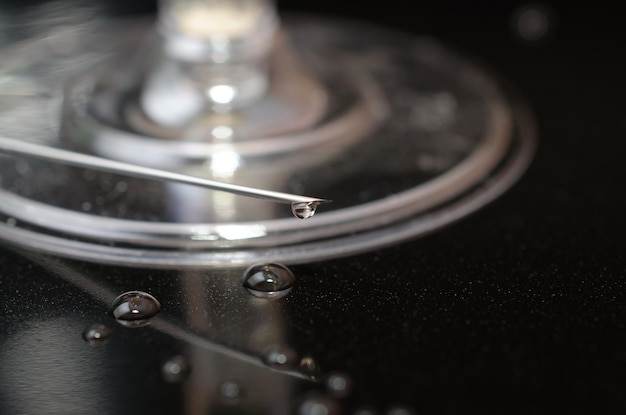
[225,163]
[224,207]
[239,232]
[222,94]
[208,18]
[229,232]
[222,132]
[203,235]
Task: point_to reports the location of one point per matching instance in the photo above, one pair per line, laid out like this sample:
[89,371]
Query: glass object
[402,133]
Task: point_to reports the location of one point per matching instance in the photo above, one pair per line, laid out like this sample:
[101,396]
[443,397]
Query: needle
[302,206]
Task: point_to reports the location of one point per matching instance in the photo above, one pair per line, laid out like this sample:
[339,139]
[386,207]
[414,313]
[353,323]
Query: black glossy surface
[520,308]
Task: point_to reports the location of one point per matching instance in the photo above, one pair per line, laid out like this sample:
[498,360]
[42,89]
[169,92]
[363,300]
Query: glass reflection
[208,347]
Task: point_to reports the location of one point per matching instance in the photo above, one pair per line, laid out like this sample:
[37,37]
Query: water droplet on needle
[303,207]
[304,210]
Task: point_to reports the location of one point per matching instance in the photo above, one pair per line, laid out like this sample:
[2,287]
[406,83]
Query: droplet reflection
[319,405]
[175,369]
[96,334]
[339,384]
[532,22]
[400,410]
[280,357]
[230,390]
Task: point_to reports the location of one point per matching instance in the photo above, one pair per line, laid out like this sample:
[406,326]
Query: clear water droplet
[96,334]
[134,309]
[339,384]
[280,357]
[175,369]
[230,389]
[269,281]
[304,210]
[319,405]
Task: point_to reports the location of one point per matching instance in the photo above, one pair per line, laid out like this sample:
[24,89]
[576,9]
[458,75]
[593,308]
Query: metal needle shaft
[29,149]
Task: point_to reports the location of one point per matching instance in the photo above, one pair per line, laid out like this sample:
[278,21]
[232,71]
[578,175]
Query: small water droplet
[400,410]
[309,366]
[86,206]
[175,369]
[270,281]
[532,23]
[319,405]
[11,222]
[280,357]
[134,309]
[304,210]
[230,390]
[96,334]
[339,384]
[121,187]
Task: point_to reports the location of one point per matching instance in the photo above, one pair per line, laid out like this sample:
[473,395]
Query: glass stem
[215,54]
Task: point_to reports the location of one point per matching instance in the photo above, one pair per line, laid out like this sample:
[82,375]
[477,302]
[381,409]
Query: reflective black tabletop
[519,308]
